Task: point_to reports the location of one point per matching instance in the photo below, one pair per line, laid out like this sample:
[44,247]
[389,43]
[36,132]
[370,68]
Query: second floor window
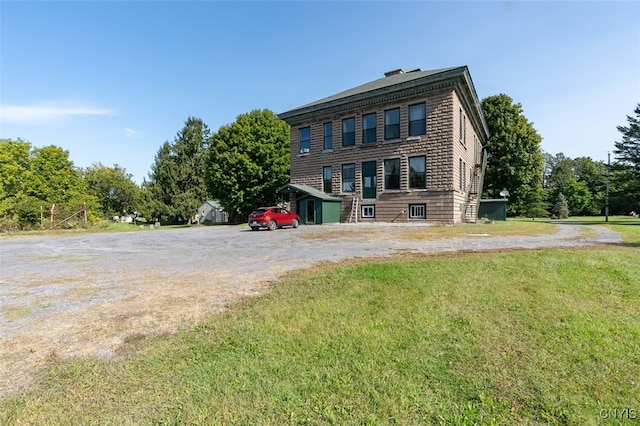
[392,174]
[417,120]
[328,135]
[369,128]
[462,131]
[392,124]
[348,178]
[326,179]
[418,172]
[305,140]
[349,132]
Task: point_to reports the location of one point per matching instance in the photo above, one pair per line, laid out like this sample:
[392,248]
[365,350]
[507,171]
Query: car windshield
[259,211]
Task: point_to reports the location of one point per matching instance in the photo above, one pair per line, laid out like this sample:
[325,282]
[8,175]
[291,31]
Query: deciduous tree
[515,159]
[114,188]
[248,161]
[33,179]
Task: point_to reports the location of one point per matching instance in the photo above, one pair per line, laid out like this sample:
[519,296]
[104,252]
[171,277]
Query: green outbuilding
[312,205]
[493,209]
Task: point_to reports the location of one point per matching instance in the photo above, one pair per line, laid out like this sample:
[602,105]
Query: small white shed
[211,212]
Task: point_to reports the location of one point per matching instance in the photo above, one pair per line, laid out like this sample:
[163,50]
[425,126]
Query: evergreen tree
[535,205]
[627,153]
[177,178]
[561,208]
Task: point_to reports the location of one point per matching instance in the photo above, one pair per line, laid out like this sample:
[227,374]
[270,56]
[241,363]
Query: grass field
[514,337]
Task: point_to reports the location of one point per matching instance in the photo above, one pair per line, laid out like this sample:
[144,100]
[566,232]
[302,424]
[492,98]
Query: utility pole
[606,196]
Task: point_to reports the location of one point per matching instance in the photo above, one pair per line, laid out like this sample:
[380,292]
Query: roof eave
[315,107]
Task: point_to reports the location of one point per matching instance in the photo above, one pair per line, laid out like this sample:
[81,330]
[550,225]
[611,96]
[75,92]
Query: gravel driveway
[87,295]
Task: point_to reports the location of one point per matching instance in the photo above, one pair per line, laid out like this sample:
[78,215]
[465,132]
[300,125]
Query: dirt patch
[155,306]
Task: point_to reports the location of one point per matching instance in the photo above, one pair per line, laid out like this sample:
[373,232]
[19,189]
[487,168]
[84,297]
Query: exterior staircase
[472,198]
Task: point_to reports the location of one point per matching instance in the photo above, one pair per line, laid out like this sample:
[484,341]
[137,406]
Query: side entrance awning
[309,191]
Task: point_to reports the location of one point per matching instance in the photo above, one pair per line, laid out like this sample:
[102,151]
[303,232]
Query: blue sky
[110,81]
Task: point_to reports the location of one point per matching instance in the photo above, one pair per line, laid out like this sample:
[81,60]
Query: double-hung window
[369,128]
[348,178]
[326,179]
[392,174]
[418,172]
[305,140]
[463,128]
[328,135]
[463,175]
[417,120]
[349,132]
[392,124]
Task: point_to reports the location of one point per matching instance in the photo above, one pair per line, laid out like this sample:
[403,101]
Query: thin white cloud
[131,133]
[47,113]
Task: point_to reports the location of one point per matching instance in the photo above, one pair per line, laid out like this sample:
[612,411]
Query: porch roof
[308,190]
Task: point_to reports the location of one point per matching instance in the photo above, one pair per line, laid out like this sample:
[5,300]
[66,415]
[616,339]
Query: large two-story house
[406,147]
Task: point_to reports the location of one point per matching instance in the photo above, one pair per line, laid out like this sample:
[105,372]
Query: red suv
[272,218]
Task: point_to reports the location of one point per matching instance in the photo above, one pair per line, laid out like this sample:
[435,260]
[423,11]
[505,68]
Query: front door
[311,211]
[369,181]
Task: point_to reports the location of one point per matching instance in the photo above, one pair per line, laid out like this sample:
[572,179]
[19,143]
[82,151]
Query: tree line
[545,185]
[241,166]
[245,162]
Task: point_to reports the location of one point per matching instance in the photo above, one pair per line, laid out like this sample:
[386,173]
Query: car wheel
[295,223]
[254,228]
[272,225]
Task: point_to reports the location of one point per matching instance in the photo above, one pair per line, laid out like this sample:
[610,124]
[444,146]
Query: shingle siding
[441,146]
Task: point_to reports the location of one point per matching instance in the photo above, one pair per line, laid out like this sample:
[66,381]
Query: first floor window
[349,132]
[348,178]
[417,211]
[417,120]
[369,128]
[418,172]
[368,211]
[392,124]
[392,174]
[326,179]
[305,139]
[463,175]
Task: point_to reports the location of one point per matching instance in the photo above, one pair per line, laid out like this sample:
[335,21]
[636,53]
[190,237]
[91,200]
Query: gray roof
[381,83]
[395,83]
[213,204]
[309,190]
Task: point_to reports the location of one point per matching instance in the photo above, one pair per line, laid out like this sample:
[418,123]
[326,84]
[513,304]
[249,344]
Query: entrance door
[311,211]
[369,181]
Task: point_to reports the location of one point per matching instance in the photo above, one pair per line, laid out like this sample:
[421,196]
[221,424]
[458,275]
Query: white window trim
[366,207]
[424,211]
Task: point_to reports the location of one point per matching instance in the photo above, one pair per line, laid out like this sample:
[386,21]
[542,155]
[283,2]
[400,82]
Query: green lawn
[522,337]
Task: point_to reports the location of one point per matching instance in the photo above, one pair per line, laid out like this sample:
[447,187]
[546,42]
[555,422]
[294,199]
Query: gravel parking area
[88,295]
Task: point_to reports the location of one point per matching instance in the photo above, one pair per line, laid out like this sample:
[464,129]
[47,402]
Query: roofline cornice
[457,79]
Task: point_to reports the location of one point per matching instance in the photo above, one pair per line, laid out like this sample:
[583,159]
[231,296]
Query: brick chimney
[394,72]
